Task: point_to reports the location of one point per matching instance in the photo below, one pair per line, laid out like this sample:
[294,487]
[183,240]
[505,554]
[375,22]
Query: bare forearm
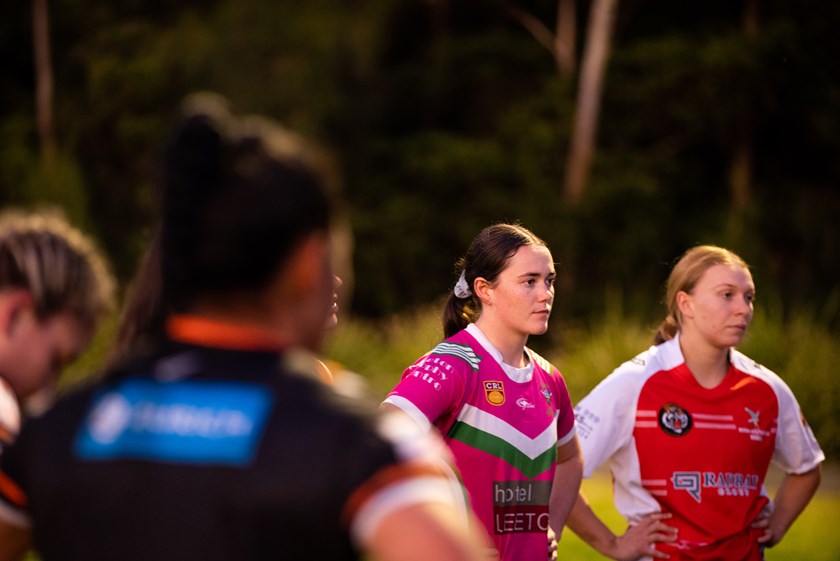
[638,541]
[794,494]
[566,484]
[585,523]
[564,491]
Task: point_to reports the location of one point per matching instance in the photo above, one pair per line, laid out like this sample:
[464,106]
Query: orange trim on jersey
[6,435]
[385,477]
[213,333]
[12,492]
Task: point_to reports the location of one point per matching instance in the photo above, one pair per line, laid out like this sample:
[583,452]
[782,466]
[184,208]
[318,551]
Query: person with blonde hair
[689,428]
[55,288]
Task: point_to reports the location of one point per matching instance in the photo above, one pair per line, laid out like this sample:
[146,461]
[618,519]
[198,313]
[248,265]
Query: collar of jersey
[522,375]
[206,332]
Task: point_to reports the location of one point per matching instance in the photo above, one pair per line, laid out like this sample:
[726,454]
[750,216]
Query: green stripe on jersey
[464,352]
[497,447]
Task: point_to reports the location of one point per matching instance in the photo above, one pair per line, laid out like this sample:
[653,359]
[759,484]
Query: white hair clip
[462,289]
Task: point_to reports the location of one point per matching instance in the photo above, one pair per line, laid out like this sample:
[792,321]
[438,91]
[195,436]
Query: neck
[273,326]
[708,364]
[511,345]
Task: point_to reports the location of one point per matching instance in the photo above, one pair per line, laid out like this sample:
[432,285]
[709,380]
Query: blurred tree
[587,108]
[43,79]
[560,41]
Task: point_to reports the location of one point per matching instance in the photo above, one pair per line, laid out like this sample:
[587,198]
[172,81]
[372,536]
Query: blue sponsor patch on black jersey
[189,422]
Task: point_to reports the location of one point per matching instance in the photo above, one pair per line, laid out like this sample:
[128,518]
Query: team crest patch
[674,420]
[494,391]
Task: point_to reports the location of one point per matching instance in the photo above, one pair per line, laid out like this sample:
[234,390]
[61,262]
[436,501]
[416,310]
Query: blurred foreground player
[216,445]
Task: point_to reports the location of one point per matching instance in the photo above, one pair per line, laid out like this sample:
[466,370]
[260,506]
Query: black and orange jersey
[215,447]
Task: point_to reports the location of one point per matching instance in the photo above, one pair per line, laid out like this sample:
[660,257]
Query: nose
[745,306]
[547,294]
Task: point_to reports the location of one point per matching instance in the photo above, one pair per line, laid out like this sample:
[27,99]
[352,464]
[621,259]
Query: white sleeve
[797,450]
[423,475]
[605,418]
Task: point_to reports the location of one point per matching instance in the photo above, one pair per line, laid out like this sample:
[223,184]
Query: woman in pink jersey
[689,427]
[504,410]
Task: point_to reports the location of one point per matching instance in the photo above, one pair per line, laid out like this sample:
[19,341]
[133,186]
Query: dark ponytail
[238,195]
[487,256]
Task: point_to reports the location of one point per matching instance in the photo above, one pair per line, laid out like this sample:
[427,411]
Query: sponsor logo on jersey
[520,506]
[494,391]
[524,403]
[546,393]
[585,421]
[754,415]
[674,420]
[755,432]
[726,484]
[181,422]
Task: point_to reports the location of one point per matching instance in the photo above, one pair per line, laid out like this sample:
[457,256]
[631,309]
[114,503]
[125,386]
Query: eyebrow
[531,275]
[750,288]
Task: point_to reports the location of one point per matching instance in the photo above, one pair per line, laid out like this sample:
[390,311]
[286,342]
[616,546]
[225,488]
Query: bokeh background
[620,131]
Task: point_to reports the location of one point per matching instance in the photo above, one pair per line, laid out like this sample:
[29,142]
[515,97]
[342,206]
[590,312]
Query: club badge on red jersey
[674,420]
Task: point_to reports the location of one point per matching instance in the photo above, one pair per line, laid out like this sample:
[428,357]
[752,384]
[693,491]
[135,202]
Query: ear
[306,266]
[13,305]
[684,304]
[483,290]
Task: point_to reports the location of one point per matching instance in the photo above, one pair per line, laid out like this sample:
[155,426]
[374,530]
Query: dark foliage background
[447,115]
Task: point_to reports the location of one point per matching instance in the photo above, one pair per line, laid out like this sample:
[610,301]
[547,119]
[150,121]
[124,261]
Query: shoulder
[752,368]
[638,369]
[624,384]
[542,363]
[544,369]
[460,351]
[9,414]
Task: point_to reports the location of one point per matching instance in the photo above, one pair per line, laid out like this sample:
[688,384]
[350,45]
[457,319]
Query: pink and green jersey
[503,426]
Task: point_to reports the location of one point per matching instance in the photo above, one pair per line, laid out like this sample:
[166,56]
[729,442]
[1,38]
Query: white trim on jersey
[14,517]
[395,497]
[411,410]
[489,423]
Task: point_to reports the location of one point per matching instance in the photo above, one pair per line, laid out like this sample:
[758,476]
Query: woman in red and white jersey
[689,427]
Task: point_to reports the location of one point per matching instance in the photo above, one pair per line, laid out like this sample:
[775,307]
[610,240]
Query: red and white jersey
[700,454]
[503,426]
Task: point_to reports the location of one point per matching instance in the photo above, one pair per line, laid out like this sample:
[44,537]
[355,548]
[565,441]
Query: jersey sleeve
[9,415]
[13,498]
[797,450]
[606,416]
[422,474]
[566,413]
[429,388]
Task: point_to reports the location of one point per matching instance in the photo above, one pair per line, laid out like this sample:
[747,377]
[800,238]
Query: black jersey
[198,453]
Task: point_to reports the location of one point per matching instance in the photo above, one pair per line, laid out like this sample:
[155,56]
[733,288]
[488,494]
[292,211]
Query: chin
[539,330]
